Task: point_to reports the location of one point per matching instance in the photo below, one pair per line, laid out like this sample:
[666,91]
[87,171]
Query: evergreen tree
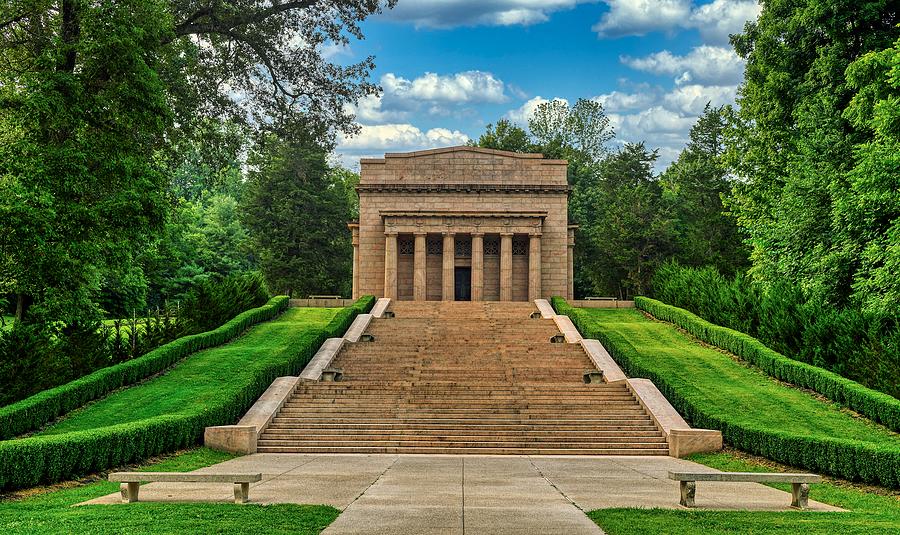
[296,212]
[694,185]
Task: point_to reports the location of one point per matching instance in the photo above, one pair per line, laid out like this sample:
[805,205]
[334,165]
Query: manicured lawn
[746,394]
[206,375]
[52,512]
[868,512]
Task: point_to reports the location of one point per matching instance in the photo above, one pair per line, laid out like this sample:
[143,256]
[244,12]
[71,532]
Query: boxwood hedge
[848,459]
[33,412]
[46,459]
[877,406]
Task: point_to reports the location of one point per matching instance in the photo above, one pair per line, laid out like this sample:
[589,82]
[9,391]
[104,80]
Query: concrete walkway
[467,494]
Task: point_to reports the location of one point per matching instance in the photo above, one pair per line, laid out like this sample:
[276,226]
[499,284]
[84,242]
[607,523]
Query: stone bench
[592,376]
[131,482]
[799,483]
[332,374]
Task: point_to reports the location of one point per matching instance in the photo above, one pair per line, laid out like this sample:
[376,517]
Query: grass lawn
[870,511]
[204,376]
[52,512]
[745,393]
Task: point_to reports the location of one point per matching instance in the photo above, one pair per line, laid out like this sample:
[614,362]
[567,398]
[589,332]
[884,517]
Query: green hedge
[877,406]
[38,410]
[41,460]
[848,459]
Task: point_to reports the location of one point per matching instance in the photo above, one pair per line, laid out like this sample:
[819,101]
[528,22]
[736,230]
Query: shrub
[855,344]
[875,405]
[46,459]
[848,459]
[214,300]
[38,410]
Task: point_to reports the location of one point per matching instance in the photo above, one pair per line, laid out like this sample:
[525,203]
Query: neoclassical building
[462,223]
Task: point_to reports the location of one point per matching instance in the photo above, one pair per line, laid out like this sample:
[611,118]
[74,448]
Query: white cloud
[662,119]
[691,99]
[715,20]
[639,17]
[468,86]
[618,101]
[431,94]
[452,13]
[378,139]
[703,65]
[523,113]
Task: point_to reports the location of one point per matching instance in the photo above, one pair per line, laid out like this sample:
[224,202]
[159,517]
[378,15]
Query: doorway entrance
[462,284]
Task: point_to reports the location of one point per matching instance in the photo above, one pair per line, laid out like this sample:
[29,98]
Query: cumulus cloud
[721,18]
[373,141]
[691,99]
[715,20]
[452,13]
[639,17]
[468,86]
[704,65]
[430,94]
[523,113]
[662,118]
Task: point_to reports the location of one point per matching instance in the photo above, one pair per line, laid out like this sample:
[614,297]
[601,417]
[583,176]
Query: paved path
[453,494]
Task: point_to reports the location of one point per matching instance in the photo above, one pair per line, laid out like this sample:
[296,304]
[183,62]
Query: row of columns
[449,266]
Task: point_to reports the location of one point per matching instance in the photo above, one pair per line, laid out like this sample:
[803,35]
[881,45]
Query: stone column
[534,267]
[449,264]
[506,267]
[477,267]
[570,268]
[419,268]
[390,265]
[354,233]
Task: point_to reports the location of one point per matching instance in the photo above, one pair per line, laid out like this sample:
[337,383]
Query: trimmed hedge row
[877,406]
[847,459]
[33,412]
[41,460]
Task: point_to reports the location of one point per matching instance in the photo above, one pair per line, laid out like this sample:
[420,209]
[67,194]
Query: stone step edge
[682,439]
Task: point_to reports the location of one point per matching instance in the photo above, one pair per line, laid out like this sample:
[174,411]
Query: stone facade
[462,223]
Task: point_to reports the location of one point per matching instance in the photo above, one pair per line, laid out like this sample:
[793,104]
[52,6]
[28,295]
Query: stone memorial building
[460,224]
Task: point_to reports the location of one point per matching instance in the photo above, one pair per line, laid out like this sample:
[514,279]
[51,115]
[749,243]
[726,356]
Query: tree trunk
[23,302]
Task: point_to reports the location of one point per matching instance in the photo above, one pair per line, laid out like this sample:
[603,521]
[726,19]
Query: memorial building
[463,224]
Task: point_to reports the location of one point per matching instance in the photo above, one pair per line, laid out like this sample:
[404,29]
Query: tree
[793,147]
[505,136]
[867,216]
[579,132]
[694,185]
[625,223]
[296,211]
[95,98]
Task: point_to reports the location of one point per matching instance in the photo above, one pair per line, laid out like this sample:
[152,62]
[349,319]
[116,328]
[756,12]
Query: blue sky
[450,67]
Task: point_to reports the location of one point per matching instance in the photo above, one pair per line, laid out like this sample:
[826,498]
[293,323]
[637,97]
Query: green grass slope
[205,376]
[755,412]
[52,512]
[867,512]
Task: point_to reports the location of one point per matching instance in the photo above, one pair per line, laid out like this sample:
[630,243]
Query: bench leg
[688,490]
[129,491]
[241,492]
[800,495]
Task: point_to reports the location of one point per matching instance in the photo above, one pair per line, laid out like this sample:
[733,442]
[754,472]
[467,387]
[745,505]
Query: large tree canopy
[794,146]
[96,98]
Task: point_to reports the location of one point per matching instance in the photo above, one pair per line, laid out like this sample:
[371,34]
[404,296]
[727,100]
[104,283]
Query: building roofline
[464,148]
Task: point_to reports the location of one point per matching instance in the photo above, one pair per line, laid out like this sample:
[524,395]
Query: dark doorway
[463,284]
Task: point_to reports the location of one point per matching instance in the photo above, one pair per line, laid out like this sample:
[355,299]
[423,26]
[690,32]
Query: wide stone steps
[475,449]
[463,378]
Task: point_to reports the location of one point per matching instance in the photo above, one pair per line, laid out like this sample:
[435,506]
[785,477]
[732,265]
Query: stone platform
[468,493]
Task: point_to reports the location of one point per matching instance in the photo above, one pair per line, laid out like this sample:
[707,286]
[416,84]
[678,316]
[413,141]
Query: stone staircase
[463,378]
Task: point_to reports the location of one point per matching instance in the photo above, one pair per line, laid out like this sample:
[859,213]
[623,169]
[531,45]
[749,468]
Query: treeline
[155,151]
[630,218]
